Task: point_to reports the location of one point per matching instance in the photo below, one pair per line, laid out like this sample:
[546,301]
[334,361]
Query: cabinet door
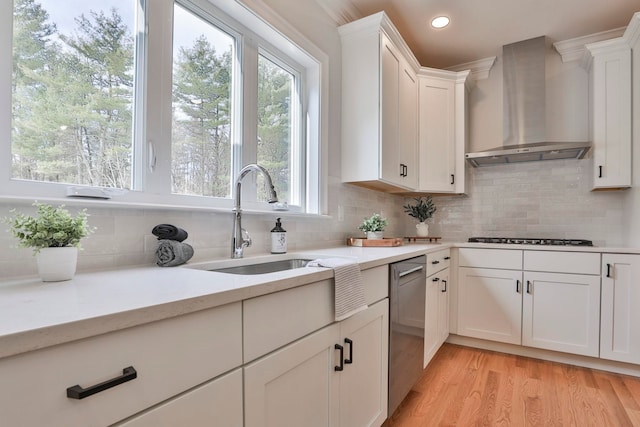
[443,307]
[611,109]
[218,402]
[390,169]
[431,316]
[490,304]
[437,135]
[561,312]
[408,126]
[363,382]
[620,318]
[296,385]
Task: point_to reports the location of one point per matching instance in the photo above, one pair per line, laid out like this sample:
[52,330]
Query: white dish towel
[349,289]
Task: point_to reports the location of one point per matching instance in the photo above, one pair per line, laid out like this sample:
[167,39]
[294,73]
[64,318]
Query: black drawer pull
[435,279]
[435,262]
[528,287]
[445,286]
[518,286]
[77,392]
[350,359]
[453,179]
[608,270]
[340,367]
[447,258]
[599,171]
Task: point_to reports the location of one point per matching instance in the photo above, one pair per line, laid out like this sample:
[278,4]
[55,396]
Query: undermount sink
[264,267]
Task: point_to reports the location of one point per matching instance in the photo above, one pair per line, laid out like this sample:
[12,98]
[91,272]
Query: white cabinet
[443,130]
[170,357]
[490,304]
[436,327]
[561,312]
[334,377]
[379,106]
[610,111]
[620,317]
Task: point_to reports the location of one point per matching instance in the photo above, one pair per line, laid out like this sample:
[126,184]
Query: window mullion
[248,138]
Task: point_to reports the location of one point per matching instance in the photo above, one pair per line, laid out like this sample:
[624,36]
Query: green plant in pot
[54,236]
[422,210]
[374,226]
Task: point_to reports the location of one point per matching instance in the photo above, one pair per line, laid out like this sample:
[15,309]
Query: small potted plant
[374,226]
[422,210]
[55,238]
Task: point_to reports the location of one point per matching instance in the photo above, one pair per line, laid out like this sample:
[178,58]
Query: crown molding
[574,49]
[632,33]
[479,69]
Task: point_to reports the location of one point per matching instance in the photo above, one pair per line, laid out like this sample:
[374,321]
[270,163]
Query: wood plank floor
[465,386]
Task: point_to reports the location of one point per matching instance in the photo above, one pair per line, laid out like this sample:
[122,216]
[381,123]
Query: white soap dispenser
[278,239]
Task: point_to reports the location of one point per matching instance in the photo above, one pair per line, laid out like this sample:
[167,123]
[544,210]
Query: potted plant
[55,238]
[374,226]
[422,210]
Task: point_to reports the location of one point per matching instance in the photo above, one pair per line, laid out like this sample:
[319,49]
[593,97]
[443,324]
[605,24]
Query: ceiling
[479,28]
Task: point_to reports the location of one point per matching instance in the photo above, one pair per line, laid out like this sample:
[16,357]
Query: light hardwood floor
[464,386]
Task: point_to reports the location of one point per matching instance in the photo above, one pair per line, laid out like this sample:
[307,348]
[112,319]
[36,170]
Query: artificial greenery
[52,227]
[422,210]
[375,222]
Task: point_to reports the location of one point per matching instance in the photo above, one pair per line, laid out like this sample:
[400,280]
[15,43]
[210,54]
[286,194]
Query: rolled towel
[169,232]
[171,253]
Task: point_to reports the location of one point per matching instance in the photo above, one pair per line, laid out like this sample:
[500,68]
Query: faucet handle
[246,239]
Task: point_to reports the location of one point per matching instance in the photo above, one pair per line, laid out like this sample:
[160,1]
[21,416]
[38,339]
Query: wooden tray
[387,241]
[429,238]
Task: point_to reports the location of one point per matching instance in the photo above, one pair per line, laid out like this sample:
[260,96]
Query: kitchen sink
[264,267]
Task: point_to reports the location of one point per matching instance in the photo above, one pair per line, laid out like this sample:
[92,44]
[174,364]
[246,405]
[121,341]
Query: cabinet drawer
[218,402]
[506,259]
[438,261]
[562,262]
[170,356]
[376,283]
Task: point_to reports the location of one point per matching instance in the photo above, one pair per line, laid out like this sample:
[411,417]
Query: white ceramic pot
[422,229]
[374,235]
[57,264]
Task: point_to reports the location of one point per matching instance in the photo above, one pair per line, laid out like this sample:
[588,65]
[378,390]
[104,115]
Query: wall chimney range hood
[524,111]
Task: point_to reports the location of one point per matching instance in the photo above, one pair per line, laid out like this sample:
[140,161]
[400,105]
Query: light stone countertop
[36,315]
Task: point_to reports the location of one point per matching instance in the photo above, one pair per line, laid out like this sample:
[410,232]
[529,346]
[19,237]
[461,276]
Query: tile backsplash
[539,199]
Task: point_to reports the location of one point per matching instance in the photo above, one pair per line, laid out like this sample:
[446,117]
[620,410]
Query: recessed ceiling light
[440,21]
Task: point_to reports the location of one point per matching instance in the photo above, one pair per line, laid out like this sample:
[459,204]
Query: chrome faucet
[240,238]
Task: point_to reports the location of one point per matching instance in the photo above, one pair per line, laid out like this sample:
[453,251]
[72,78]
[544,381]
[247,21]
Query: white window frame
[152,149]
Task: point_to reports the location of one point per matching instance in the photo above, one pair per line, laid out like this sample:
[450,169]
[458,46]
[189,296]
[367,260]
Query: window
[157,102]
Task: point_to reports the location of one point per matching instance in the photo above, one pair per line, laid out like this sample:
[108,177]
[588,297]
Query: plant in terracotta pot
[54,236]
[422,210]
[374,226]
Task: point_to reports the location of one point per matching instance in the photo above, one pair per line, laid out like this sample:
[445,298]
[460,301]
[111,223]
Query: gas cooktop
[529,241]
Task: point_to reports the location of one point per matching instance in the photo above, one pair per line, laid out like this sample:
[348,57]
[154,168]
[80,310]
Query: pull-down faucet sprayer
[240,238]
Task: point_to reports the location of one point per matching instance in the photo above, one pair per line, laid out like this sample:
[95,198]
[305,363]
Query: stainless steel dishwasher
[407,287]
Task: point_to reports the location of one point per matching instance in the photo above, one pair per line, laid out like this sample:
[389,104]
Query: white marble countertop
[599,249]
[35,315]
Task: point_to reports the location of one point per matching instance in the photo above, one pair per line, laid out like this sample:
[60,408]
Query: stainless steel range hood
[523,66]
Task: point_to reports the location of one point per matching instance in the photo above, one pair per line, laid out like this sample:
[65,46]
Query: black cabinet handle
[517,286]
[340,367]
[453,179]
[350,359]
[609,270]
[599,171]
[403,169]
[435,279]
[445,286]
[77,392]
[435,262]
[528,287]
[447,258]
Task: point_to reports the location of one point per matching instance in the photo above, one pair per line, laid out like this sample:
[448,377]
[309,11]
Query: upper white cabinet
[610,111]
[379,106]
[443,130]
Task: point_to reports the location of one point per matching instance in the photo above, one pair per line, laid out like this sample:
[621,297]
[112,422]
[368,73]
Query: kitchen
[539,199]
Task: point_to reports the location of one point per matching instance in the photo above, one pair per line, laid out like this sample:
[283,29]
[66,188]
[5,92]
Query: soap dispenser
[278,239]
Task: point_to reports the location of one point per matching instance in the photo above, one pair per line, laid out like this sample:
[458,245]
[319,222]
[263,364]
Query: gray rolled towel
[171,253]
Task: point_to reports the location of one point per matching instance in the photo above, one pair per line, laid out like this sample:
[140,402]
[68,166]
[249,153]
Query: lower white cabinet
[218,402]
[336,376]
[436,328]
[490,304]
[620,317]
[561,312]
